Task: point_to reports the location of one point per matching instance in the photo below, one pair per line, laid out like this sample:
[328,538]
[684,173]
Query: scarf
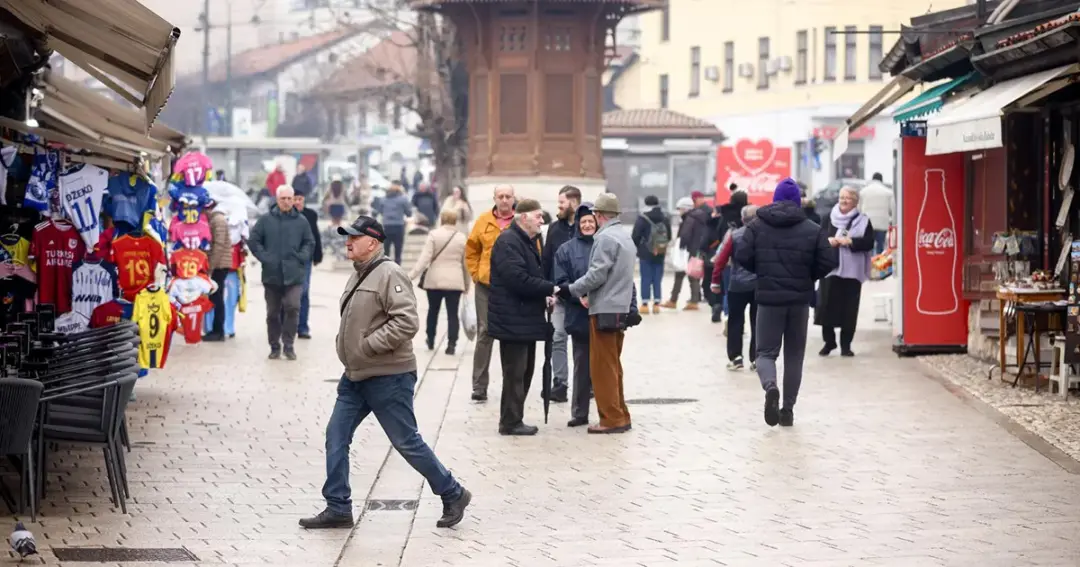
[853,265]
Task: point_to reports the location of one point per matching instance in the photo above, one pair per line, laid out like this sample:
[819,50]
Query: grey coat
[394,208]
[609,283]
[283,243]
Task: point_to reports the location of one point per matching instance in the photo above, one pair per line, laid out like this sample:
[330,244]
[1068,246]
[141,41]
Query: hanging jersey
[16,291]
[92,284]
[192,196]
[103,248]
[241,303]
[239,228]
[82,189]
[187,263]
[153,226]
[14,249]
[192,169]
[8,156]
[187,290]
[157,319]
[56,247]
[190,234]
[136,258]
[194,313]
[129,198]
[42,180]
[111,313]
[69,323]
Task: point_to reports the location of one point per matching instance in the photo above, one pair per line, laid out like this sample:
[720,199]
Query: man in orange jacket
[489,225]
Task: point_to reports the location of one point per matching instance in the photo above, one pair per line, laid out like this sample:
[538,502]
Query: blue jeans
[726,281]
[880,238]
[305,305]
[652,273]
[390,398]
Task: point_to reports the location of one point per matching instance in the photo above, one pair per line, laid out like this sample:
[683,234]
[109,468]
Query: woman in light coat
[851,234]
[441,269]
[459,204]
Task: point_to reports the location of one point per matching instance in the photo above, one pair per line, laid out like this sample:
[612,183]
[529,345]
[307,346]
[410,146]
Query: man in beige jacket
[374,343]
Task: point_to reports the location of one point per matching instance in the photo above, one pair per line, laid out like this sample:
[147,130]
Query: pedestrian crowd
[571,287]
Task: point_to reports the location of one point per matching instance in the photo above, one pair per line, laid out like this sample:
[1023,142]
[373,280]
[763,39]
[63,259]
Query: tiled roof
[392,60]
[655,119]
[268,58]
[1039,30]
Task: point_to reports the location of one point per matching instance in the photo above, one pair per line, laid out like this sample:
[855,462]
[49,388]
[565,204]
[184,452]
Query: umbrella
[231,199]
[545,376]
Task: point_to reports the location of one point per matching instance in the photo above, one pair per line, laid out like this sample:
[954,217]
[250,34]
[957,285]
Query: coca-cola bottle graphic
[936,253]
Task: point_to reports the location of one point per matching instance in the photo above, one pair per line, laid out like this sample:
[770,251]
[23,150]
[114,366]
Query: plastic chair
[19,400]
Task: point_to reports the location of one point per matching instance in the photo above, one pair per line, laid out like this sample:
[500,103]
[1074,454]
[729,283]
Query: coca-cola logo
[940,240]
[755,166]
[754,156]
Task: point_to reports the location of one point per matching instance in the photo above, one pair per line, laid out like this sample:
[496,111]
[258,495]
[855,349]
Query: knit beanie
[787,190]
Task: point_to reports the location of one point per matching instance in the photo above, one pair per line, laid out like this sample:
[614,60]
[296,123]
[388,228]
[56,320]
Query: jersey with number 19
[81,190]
[136,257]
[157,319]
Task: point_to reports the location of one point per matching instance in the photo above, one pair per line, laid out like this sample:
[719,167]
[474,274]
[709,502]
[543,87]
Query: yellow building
[772,74]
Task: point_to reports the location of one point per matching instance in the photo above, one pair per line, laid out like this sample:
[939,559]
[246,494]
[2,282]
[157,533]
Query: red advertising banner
[756,166]
[933,208]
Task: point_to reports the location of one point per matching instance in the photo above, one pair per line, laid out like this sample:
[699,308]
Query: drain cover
[661,401]
[390,505]
[122,554]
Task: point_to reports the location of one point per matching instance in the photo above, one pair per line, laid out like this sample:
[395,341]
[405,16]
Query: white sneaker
[736,364]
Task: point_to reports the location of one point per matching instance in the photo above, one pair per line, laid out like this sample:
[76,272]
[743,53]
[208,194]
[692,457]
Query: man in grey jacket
[394,208]
[607,290]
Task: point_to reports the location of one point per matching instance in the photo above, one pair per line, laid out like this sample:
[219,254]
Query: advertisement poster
[935,313]
[754,165]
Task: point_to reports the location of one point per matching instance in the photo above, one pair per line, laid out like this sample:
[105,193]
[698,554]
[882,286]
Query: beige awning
[886,97]
[121,43]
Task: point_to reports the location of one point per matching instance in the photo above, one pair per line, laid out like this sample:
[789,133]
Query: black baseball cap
[364,226]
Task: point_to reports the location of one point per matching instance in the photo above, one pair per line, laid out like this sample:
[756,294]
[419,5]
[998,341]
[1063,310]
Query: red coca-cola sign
[755,166]
[939,242]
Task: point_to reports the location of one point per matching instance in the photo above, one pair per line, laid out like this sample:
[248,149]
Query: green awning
[931,100]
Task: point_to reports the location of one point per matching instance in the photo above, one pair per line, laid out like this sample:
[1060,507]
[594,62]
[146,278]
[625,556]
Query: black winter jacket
[643,231]
[788,252]
[517,307]
[559,232]
[694,232]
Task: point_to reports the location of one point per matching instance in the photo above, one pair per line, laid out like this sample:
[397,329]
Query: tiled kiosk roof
[657,122]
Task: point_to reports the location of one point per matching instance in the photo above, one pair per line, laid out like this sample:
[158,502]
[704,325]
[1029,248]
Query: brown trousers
[605,365]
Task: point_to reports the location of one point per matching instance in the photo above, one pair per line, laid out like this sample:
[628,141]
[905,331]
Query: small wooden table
[1020,296]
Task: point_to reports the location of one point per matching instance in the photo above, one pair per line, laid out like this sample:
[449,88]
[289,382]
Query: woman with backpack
[652,235]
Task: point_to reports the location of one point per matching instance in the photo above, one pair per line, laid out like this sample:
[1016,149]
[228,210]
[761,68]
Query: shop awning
[974,123]
[886,97]
[121,43]
[931,100]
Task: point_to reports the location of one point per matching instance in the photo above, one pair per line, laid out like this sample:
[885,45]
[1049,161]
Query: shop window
[512,38]
[559,100]
[851,52]
[663,91]
[729,66]
[695,71]
[852,165]
[876,52]
[665,23]
[763,63]
[513,102]
[802,57]
[830,54]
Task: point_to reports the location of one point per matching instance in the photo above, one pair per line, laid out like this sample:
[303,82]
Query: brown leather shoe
[669,304]
[655,308]
[601,430]
[691,307]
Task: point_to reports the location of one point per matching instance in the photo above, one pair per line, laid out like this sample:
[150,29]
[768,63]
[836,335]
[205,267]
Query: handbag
[359,281]
[423,275]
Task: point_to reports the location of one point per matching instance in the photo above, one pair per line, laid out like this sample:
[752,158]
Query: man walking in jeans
[374,343]
[788,252]
[489,225]
[283,243]
[558,233]
[303,330]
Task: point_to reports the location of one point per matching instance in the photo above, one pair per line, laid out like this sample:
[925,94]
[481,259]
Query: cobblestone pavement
[885,466]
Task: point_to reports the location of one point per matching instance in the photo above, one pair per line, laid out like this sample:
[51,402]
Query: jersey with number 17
[82,189]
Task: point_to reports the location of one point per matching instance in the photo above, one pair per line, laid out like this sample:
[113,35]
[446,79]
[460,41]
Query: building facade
[778,77]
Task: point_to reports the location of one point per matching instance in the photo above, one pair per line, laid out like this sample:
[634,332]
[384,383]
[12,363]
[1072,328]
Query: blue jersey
[43,180]
[130,196]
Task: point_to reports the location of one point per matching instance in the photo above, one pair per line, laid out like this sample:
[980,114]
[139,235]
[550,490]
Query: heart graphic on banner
[754,157]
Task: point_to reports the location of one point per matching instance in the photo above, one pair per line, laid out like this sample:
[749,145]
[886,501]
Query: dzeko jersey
[157,318]
[82,189]
[92,284]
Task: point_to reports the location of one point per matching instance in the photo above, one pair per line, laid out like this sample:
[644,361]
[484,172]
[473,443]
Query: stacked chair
[75,388]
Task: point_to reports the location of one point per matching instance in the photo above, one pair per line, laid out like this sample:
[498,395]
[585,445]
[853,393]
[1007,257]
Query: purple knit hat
[787,190]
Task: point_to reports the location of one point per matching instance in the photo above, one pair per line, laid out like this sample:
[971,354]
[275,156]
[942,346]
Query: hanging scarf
[853,265]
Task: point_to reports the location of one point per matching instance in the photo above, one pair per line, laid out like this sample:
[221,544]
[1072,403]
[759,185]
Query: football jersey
[69,323]
[56,247]
[186,290]
[15,293]
[185,234]
[129,198]
[187,263]
[8,156]
[111,313]
[193,168]
[93,283]
[157,318]
[81,190]
[42,180]
[194,313]
[136,258]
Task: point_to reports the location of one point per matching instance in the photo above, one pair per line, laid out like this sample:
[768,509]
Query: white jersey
[71,322]
[8,156]
[92,284]
[187,290]
[81,191]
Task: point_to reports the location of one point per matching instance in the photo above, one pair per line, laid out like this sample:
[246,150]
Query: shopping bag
[468,316]
[679,257]
[695,268]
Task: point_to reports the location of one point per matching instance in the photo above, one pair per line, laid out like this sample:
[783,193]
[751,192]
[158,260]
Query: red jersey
[103,248]
[111,313]
[136,258]
[188,263]
[56,246]
[194,313]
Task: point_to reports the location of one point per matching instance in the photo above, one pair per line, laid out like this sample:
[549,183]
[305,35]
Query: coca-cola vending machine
[931,315]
